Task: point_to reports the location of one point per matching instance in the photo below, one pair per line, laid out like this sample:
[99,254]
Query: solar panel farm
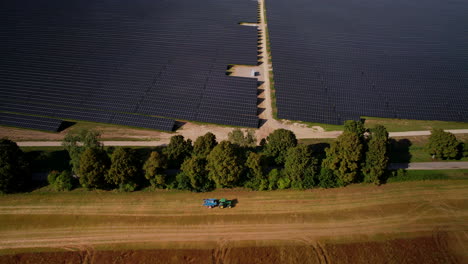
[233,131]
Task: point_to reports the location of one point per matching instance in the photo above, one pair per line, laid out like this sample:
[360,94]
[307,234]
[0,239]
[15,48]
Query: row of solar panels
[170,62]
[328,66]
[67,112]
[30,122]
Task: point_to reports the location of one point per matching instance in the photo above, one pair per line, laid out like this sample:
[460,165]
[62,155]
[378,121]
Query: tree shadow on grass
[400,150]
[319,150]
[65,125]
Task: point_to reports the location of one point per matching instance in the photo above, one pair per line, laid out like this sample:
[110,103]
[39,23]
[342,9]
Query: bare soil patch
[426,249]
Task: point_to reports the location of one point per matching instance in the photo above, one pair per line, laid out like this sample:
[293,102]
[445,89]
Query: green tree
[178,150]
[284,183]
[377,155]
[256,164]
[76,141]
[204,144]
[355,127]
[94,164]
[224,165]
[195,169]
[273,177]
[278,143]
[14,168]
[327,179]
[155,168]
[300,167]
[464,147]
[344,158]
[247,139]
[443,145]
[183,182]
[124,167]
[64,181]
[52,176]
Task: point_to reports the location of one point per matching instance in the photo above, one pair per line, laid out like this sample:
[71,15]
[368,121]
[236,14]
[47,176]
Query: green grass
[395,125]
[413,149]
[401,125]
[404,149]
[425,175]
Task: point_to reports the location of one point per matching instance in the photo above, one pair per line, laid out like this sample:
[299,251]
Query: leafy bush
[127,187]
[64,181]
[238,137]
[327,179]
[94,164]
[195,169]
[278,144]
[443,145]
[124,168]
[155,168]
[256,164]
[300,166]
[376,161]
[356,127]
[344,158]
[224,165]
[76,141]
[273,178]
[284,183]
[14,168]
[204,144]
[402,175]
[178,150]
[183,182]
[52,176]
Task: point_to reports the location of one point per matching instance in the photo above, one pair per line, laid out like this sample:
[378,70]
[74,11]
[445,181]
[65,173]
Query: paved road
[449,165]
[331,134]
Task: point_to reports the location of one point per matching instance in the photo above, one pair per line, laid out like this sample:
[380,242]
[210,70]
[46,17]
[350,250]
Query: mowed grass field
[427,220]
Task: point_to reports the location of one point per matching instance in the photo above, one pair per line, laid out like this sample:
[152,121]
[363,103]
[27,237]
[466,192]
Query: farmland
[411,222]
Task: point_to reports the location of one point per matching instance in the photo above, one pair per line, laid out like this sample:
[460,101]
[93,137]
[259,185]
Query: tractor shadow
[234,202]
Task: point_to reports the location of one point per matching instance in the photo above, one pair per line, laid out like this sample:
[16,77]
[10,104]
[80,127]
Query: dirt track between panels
[280,223]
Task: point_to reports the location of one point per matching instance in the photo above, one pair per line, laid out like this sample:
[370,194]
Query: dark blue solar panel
[30,122]
[338,60]
[151,57]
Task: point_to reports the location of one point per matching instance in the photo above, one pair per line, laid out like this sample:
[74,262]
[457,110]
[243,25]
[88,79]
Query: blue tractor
[210,203]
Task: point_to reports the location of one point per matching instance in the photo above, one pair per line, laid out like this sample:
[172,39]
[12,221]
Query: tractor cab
[225,203]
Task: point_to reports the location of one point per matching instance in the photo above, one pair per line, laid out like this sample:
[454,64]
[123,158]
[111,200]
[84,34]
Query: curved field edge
[336,218]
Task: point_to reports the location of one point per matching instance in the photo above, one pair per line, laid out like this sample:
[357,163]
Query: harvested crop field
[416,222]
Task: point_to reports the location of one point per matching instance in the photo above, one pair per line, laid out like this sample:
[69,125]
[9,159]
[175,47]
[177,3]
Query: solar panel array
[340,60]
[93,115]
[31,122]
[116,61]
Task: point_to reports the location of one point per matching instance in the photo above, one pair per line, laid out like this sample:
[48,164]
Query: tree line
[279,162]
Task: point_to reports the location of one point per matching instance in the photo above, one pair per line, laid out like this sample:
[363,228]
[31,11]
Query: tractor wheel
[229,206]
[221,207]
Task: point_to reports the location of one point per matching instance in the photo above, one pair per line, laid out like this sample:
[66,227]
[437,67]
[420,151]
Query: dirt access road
[219,135]
[320,222]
